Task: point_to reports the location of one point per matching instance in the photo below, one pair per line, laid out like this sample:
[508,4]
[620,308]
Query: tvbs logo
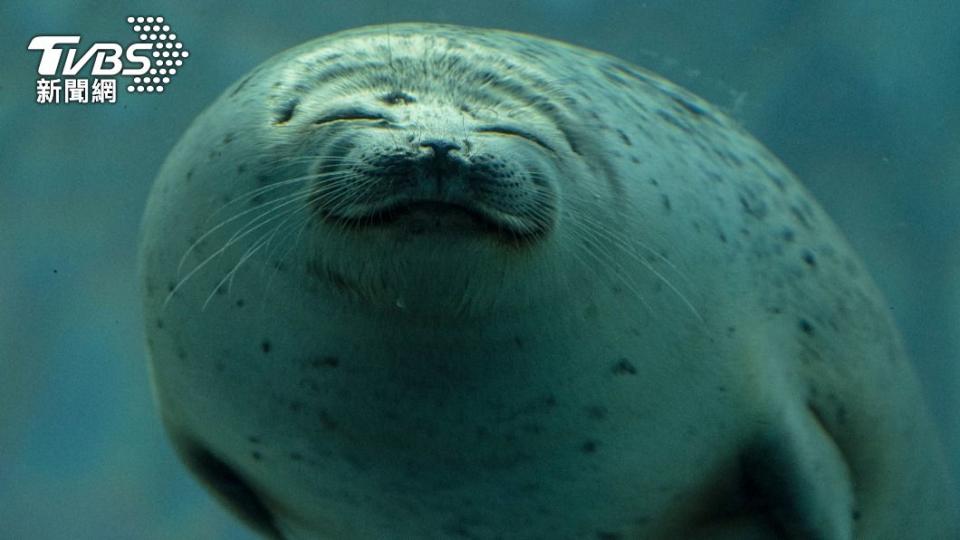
[151,63]
[107,57]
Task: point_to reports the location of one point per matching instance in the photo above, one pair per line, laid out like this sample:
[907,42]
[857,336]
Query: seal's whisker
[249,196]
[264,241]
[338,191]
[227,221]
[601,233]
[335,196]
[244,231]
[305,193]
[305,219]
[629,243]
[595,249]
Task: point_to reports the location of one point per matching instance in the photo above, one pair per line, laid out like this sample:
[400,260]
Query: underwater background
[860,98]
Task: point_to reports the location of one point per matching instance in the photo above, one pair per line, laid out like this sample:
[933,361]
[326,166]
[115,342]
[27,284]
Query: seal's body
[423,281]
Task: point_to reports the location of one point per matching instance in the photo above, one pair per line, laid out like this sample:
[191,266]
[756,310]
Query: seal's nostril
[440,147]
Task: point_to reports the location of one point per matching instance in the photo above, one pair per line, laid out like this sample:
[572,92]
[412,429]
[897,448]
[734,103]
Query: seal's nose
[440,147]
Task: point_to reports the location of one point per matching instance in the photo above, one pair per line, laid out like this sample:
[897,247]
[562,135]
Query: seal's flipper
[228,485]
[791,482]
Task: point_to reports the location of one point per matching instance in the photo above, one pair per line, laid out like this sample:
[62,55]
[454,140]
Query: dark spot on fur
[327,422]
[589,447]
[240,302]
[800,217]
[253,439]
[777,180]
[809,259]
[715,177]
[787,234]
[256,455]
[728,157]
[613,77]
[325,362]
[190,173]
[229,137]
[597,412]
[608,536]
[806,327]
[296,456]
[518,341]
[675,122]
[624,367]
[285,112]
[160,324]
[623,136]
[241,168]
[265,346]
[244,83]
[753,206]
[666,203]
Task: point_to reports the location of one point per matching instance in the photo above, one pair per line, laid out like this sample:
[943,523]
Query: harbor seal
[424,281]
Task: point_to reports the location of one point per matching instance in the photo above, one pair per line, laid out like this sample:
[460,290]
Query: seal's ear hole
[229,486]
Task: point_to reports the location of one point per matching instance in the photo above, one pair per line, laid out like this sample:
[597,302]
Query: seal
[424,281]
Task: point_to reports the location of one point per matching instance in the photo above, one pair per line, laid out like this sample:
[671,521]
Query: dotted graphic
[168,54]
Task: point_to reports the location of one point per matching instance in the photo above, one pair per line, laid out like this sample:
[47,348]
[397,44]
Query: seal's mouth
[418,216]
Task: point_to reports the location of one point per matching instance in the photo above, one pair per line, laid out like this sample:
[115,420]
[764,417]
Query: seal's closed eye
[515,132]
[350,114]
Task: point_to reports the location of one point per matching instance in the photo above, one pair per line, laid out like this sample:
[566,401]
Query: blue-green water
[859,98]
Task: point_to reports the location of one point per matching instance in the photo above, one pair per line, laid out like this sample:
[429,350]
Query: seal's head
[424,158]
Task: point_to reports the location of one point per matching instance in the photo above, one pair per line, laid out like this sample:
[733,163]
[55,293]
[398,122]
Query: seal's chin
[420,216]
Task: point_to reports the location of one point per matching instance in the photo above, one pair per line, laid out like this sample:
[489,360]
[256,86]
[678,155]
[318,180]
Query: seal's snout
[440,147]
[440,165]
[439,179]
